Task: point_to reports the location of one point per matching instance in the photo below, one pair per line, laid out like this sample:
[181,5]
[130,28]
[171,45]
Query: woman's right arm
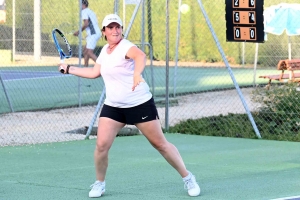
[83,72]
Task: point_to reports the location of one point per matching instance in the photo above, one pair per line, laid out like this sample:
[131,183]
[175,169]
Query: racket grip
[67,70]
[62,71]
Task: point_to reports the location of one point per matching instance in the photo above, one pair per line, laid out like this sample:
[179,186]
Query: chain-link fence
[38,104]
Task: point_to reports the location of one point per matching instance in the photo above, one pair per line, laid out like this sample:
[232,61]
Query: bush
[277,119]
[231,125]
[279,114]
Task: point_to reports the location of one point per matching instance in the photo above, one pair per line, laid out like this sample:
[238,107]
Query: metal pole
[243,61]
[132,20]
[79,50]
[290,48]
[116,7]
[100,102]
[143,25]
[290,55]
[255,64]
[149,22]
[37,30]
[14,30]
[177,44]
[167,69]
[124,14]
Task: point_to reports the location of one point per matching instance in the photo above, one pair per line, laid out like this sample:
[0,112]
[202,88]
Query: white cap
[108,19]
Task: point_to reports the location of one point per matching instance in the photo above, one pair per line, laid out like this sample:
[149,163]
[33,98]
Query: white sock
[187,177]
[97,181]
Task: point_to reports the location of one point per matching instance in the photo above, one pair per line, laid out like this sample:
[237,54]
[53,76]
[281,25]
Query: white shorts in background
[91,41]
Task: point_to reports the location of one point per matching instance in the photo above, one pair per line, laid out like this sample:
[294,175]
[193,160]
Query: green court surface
[226,168]
[27,94]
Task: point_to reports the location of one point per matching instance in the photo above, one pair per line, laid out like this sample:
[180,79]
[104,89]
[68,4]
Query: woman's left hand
[137,79]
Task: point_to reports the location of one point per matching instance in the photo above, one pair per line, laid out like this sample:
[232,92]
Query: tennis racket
[62,45]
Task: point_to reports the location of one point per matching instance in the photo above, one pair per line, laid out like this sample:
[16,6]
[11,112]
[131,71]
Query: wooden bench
[285,65]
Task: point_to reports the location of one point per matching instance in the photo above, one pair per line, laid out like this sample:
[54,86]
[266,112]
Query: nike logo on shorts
[144,117]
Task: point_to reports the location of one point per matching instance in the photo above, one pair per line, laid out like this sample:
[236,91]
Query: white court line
[287,198]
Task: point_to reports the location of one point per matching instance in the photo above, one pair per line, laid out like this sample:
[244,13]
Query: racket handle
[62,69]
[67,70]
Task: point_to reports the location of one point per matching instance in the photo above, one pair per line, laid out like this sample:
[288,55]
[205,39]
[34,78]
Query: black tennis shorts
[142,113]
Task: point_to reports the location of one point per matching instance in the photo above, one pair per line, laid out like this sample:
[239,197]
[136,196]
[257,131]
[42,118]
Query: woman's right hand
[62,66]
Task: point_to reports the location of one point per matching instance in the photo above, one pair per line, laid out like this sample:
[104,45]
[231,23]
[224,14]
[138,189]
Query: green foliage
[277,119]
[196,41]
[282,99]
[231,125]
[280,110]
[239,126]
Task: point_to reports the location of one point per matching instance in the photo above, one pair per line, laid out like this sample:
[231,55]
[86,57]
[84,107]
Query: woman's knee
[102,147]
[161,146]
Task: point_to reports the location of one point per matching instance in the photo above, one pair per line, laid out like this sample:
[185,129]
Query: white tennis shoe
[98,188]
[192,186]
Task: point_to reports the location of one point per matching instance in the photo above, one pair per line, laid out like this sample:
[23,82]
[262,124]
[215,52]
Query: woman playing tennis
[128,101]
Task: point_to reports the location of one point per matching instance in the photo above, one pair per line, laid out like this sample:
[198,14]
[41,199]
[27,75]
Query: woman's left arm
[139,58]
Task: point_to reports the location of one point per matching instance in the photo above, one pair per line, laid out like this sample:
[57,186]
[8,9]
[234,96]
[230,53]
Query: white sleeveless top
[117,73]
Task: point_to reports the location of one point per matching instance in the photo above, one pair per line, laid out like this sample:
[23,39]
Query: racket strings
[63,43]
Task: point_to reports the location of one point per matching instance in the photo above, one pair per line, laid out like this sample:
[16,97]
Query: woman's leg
[107,131]
[153,132]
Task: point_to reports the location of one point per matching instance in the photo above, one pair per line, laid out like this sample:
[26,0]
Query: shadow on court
[226,168]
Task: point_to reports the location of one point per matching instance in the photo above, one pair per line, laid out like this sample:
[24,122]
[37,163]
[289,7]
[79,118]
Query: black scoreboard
[244,20]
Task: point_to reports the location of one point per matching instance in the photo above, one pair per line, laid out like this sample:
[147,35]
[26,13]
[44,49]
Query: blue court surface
[226,169]
[19,75]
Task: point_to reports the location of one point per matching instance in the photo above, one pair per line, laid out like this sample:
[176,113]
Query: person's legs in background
[85,57]
[88,52]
